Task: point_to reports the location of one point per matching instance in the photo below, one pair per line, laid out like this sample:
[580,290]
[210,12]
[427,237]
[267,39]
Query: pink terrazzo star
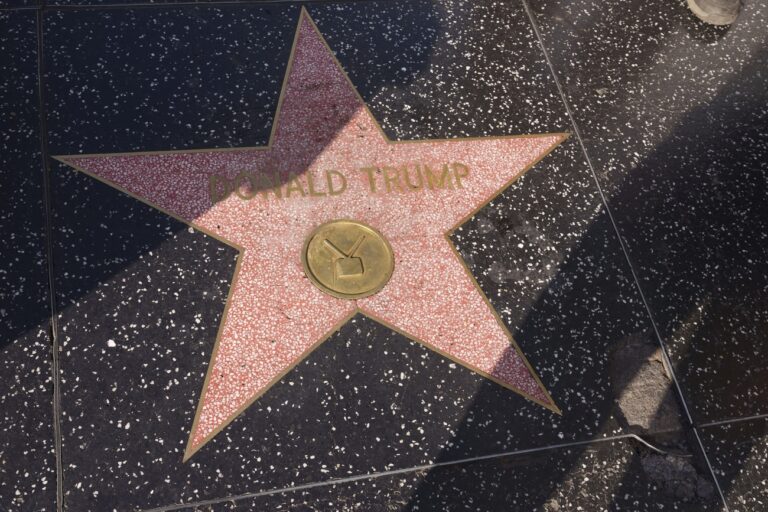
[275,316]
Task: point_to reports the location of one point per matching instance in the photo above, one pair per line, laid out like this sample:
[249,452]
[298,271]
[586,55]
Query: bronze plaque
[347,259]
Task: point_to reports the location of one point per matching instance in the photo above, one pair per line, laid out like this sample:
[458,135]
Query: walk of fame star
[328,159]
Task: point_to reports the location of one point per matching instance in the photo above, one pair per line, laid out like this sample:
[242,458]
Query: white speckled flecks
[275,315]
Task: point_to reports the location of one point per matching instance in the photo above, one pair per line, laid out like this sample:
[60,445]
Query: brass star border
[304,15]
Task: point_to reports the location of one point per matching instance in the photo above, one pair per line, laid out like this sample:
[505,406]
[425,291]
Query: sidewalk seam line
[624,248]
[48,214]
[411,469]
[728,421]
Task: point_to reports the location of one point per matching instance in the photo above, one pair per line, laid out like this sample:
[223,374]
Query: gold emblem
[347,259]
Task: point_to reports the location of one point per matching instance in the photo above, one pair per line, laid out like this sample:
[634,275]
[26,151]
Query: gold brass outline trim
[304,14]
[311,275]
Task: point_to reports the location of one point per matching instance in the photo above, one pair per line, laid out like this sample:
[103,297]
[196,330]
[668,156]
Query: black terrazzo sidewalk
[630,265]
